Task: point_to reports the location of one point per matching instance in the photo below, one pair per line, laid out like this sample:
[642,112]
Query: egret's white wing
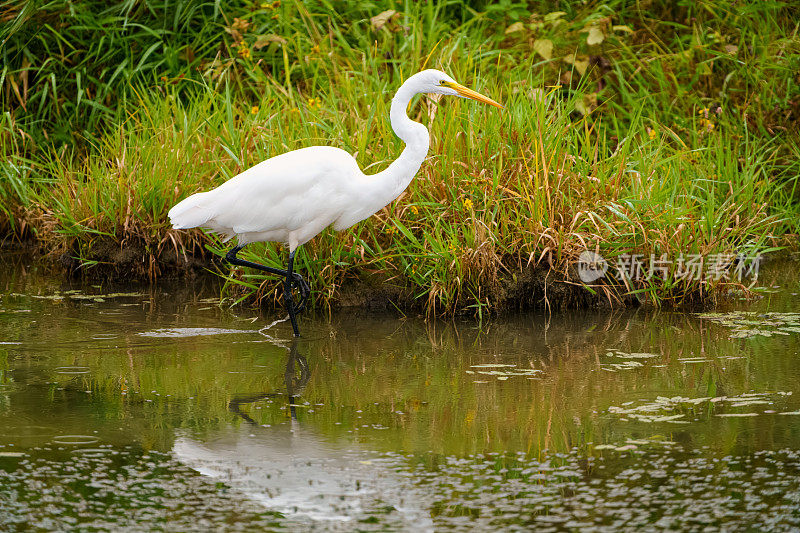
[286,193]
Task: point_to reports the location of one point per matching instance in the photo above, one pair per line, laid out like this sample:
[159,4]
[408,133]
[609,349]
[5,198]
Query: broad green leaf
[543,47]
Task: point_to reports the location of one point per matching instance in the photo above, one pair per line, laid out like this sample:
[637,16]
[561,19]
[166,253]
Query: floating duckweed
[663,408]
[191,332]
[748,324]
[632,355]
[507,371]
[626,365]
[77,295]
[628,362]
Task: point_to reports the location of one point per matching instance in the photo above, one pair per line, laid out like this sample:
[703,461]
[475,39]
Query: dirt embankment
[530,288]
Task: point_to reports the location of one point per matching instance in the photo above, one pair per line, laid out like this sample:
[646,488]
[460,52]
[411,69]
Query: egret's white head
[436,81]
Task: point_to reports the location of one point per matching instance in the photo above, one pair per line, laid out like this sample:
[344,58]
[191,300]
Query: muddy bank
[529,288]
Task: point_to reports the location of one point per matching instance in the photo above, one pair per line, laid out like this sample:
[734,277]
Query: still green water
[140,408]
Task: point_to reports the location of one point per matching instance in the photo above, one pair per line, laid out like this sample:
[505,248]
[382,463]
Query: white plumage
[294,196]
[288,198]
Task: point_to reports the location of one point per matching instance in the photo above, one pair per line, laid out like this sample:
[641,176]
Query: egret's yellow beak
[469,93]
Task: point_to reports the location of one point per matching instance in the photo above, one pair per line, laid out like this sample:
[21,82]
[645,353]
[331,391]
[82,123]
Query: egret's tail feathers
[190,213]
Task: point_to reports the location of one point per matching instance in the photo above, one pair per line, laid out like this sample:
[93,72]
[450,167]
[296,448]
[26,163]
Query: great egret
[292,197]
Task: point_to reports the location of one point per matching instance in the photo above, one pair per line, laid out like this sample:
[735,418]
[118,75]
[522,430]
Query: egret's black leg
[231,258]
[298,280]
[292,280]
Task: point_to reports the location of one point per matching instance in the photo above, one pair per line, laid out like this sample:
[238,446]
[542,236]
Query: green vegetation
[650,128]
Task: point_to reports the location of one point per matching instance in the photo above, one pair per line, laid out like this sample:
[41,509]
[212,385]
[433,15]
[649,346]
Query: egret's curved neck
[394,180]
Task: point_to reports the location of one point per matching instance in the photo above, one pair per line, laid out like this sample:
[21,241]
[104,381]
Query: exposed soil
[111,260]
[531,287]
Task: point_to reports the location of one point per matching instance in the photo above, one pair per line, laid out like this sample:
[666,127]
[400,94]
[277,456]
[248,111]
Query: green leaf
[517,26]
[554,16]
[543,47]
[596,36]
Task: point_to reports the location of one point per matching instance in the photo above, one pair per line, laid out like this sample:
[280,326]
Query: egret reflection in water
[295,378]
[291,468]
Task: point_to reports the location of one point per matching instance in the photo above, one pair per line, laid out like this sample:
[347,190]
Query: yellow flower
[414,209]
[468,204]
[315,49]
[294,110]
[244,51]
[651,133]
[390,230]
[254,110]
[314,102]
[706,125]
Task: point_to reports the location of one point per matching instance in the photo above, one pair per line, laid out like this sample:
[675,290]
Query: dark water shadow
[296,377]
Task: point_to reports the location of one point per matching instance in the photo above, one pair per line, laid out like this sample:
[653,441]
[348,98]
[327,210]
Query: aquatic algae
[749,324]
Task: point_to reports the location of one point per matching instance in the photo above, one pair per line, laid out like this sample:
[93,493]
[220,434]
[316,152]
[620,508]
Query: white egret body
[294,196]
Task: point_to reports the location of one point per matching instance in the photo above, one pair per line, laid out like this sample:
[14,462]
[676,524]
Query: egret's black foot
[305,291]
[292,281]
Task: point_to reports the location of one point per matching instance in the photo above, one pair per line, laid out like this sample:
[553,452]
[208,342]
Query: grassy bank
[630,129]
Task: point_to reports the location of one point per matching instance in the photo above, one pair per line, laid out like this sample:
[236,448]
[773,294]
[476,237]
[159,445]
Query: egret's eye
[443,82]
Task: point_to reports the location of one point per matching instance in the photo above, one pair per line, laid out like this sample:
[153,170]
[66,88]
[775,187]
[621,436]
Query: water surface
[135,407]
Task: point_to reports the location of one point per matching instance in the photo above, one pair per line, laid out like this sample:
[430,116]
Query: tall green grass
[615,138]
